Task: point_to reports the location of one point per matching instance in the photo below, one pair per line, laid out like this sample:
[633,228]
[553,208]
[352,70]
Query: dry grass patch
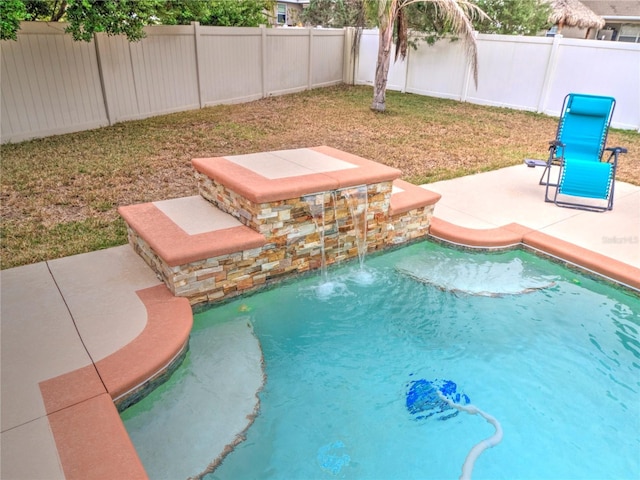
[60,194]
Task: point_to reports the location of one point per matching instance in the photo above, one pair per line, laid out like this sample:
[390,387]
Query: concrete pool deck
[94,316]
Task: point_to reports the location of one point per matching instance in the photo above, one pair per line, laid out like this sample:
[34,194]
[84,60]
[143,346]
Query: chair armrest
[533,162]
[616,149]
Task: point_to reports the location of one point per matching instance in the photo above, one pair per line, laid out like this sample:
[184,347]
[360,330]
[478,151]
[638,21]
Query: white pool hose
[478,448]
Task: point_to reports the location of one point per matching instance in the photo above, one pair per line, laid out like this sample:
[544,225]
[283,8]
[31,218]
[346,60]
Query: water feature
[558,365]
[353,228]
[317,210]
[356,198]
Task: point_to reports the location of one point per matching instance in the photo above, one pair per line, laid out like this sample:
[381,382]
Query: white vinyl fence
[52,85]
[526,73]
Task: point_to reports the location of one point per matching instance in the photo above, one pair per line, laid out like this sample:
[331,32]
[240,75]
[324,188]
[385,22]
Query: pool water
[556,360]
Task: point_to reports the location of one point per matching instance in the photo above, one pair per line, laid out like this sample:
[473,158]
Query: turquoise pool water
[552,354]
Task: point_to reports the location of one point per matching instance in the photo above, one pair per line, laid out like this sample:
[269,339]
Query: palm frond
[402,33]
[460,14]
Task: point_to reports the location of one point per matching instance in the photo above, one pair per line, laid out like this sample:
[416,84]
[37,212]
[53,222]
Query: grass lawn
[60,194]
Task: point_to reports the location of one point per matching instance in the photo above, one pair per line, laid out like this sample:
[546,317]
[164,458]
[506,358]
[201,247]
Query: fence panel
[287,65]
[118,77]
[599,68]
[154,76]
[326,47]
[511,71]
[230,64]
[165,70]
[438,71]
[50,84]
[527,73]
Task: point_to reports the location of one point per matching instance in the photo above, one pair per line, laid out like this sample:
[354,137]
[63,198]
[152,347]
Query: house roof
[572,13]
[614,8]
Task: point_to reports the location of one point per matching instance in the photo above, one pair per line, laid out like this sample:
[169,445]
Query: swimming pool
[552,354]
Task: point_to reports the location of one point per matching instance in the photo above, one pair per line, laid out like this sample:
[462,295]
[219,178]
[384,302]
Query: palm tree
[391,17]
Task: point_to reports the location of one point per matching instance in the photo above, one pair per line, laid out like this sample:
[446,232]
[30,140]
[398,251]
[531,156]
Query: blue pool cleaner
[426,398]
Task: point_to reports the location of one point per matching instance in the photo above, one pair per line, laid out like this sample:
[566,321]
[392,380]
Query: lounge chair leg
[541,182]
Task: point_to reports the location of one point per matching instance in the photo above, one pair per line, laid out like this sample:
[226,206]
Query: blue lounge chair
[578,150]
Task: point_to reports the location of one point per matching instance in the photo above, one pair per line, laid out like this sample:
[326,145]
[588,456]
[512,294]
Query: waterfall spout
[316,208]
[356,198]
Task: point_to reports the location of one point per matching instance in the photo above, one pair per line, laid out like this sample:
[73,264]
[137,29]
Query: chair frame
[557,158]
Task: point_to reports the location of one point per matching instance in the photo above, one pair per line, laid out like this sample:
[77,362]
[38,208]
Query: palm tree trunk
[457,12]
[386,16]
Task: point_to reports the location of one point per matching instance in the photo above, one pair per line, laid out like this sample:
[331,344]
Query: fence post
[310,65]
[263,44]
[198,47]
[549,73]
[105,100]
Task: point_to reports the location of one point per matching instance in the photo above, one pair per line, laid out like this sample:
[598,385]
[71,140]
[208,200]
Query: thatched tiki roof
[572,13]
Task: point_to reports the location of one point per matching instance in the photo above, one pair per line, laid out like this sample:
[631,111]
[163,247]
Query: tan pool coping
[80,331]
[317,169]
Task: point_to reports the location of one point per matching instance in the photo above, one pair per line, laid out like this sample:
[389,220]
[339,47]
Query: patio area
[80,332]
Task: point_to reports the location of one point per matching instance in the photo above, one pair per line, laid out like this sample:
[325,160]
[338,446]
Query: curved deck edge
[90,437]
[515,234]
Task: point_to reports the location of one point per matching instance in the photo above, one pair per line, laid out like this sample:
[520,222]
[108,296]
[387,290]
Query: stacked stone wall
[297,224]
[298,232]
[224,276]
[410,225]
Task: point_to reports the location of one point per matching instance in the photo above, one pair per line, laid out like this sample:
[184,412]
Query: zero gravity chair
[579,150]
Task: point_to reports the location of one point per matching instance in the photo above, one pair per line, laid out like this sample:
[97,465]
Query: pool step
[186,230]
[203,265]
[410,212]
